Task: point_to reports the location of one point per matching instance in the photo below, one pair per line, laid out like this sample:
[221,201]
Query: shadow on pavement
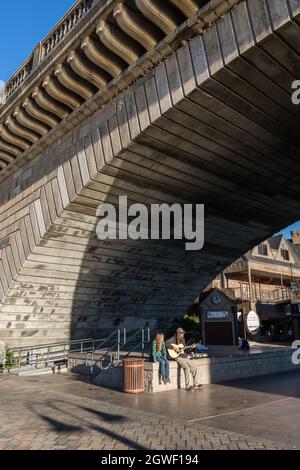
[77,421]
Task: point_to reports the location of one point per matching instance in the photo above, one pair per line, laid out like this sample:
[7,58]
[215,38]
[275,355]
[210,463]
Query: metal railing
[109,351]
[45,355]
[126,344]
[136,342]
[100,353]
[146,338]
[110,346]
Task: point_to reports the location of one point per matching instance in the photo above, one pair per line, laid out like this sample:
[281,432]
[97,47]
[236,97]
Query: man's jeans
[191,372]
[164,367]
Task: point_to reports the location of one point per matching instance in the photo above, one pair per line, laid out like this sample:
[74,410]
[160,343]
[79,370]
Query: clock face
[216,299]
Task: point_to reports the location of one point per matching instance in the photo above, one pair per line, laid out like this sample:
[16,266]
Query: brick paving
[48,413]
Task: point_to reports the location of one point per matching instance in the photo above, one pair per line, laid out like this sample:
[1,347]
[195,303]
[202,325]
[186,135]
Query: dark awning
[271,311]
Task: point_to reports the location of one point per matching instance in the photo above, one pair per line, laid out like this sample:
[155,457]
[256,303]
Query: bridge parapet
[18,78]
[95,52]
[53,39]
[67,23]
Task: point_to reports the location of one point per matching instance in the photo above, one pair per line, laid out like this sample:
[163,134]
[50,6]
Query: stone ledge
[212,370]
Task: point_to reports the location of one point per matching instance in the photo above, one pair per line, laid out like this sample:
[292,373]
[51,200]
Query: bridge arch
[213,123]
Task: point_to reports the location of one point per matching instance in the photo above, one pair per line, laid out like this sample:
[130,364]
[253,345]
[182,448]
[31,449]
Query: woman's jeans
[164,367]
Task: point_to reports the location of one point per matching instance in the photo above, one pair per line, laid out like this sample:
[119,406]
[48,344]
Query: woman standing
[159,354]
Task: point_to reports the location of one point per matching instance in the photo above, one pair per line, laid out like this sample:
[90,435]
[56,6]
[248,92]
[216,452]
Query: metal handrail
[45,345]
[46,354]
[90,356]
[105,340]
[143,340]
[109,352]
[117,345]
[130,339]
[146,334]
[148,340]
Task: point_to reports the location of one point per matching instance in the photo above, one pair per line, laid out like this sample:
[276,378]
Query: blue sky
[286,231]
[23,24]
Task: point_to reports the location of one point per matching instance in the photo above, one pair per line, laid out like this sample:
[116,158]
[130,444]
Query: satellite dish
[253,323]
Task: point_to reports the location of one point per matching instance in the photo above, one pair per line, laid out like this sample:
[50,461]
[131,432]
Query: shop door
[219,333]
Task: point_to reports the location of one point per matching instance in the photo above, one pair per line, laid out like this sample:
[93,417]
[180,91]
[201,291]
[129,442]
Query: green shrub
[8,359]
[190,322]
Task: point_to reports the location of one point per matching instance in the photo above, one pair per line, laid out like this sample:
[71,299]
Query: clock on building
[216,299]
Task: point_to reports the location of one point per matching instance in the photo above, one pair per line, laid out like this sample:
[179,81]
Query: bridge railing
[19,77]
[58,33]
[66,24]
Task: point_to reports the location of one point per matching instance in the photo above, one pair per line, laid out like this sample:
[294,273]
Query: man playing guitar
[178,345]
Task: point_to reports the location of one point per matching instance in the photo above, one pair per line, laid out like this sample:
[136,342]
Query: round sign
[253,323]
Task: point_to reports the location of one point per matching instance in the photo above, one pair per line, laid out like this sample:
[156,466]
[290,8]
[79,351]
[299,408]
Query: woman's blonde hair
[159,341]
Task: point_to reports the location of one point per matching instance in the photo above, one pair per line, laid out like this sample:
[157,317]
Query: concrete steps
[31,371]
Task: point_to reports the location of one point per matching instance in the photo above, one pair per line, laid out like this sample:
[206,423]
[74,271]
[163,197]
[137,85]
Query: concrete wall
[212,370]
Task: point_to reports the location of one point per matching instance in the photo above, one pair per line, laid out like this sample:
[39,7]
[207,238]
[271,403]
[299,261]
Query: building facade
[267,280]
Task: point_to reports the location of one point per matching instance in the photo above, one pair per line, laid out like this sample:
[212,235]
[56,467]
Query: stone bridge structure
[162,101]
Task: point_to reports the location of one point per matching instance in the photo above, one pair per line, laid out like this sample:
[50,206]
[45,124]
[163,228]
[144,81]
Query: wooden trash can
[133,375]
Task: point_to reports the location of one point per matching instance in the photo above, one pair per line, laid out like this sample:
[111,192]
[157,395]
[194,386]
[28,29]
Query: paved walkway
[62,412]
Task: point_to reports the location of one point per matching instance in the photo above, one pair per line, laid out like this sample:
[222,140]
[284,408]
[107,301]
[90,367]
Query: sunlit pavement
[64,412]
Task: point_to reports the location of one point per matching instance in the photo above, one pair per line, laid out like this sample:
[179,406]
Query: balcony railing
[267,295]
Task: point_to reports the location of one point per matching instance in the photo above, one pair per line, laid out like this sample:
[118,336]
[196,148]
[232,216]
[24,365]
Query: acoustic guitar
[173,354]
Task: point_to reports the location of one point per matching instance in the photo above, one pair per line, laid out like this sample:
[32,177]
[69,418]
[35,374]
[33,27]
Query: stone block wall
[212,370]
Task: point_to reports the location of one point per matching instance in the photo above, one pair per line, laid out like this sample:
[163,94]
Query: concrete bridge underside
[213,124]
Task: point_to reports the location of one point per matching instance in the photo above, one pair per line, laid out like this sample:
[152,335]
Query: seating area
[225,365]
